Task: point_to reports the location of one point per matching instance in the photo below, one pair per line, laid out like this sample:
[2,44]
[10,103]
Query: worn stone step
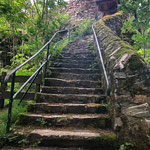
[74,61]
[74,76]
[72,83]
[37,148]
[76,65]
[69,98]
[74,70]
[84,54]
[61,108]
[101,121]
[71,90]
[101,140]
[46,148]
[75,57]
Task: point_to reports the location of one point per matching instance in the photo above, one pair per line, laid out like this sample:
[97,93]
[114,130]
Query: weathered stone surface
[72,90]
[107,7]
[130,84]
[74,76]
[76,138]
[70,98]
[67,120]
[70,65]
[139,111]
[61,108]
[72,83]
[79,9]
[74,70]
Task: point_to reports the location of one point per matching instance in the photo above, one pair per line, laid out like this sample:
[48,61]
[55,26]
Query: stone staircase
[71,109]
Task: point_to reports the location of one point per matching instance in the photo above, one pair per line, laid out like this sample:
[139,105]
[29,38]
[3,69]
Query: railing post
[38,83]
[69,33]
[11,101]
[3,88]
[45,67]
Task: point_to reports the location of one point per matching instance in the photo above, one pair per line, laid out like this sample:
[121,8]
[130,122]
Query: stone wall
[107,7]
[79,9]
[129,77]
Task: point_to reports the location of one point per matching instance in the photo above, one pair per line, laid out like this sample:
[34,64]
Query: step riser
[69,65]
[67,54]
[81,84]
[102,122]
[74,70]
[60,90]
[69,99]
[74,61]
[70,76]
[75,143]
[67,109]
[76,58]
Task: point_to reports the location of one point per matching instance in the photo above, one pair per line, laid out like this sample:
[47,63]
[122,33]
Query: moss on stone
[109,17]
[108,139]
[135,62]
[37,96]
[109,40]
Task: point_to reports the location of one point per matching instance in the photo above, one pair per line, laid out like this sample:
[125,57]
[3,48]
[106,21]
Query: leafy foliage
[125,146]
[138,23]
[84,28]
[25,27]
[4,116]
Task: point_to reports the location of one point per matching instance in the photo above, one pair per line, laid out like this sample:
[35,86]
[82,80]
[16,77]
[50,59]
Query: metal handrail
[102,61]
[32,78]
[23,64]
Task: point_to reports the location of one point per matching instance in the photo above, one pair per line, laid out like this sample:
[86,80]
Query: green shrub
[84,27]
[16,110]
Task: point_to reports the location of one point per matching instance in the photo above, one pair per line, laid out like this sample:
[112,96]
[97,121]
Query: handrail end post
[45,67]
[10,102]
[108,92]
[69,34]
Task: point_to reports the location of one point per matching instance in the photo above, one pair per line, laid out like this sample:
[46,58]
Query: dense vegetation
[26,26]
[138,24]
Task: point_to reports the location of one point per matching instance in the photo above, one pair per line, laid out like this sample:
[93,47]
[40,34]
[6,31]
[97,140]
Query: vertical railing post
[69,33]
[38,83]
[3,88]
[11,101]
[45,67]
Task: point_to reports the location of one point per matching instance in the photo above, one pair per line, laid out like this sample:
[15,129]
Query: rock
[139,111]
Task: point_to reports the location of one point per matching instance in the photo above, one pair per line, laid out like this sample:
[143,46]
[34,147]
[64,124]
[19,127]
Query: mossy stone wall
[129,78]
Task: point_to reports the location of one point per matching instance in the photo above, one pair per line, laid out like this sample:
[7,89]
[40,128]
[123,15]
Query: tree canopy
[26,26]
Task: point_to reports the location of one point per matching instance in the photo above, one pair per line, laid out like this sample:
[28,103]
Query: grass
[16,110]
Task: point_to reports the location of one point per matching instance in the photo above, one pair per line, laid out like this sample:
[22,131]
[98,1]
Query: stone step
[69,98]
[77,57]
[61,108]
[73,60]
[84,54]
[46,148]
[71,90]
[101,140]
[37,148]
[72,65]
[101,121]
[74,70]
[72,83]
[74,76]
